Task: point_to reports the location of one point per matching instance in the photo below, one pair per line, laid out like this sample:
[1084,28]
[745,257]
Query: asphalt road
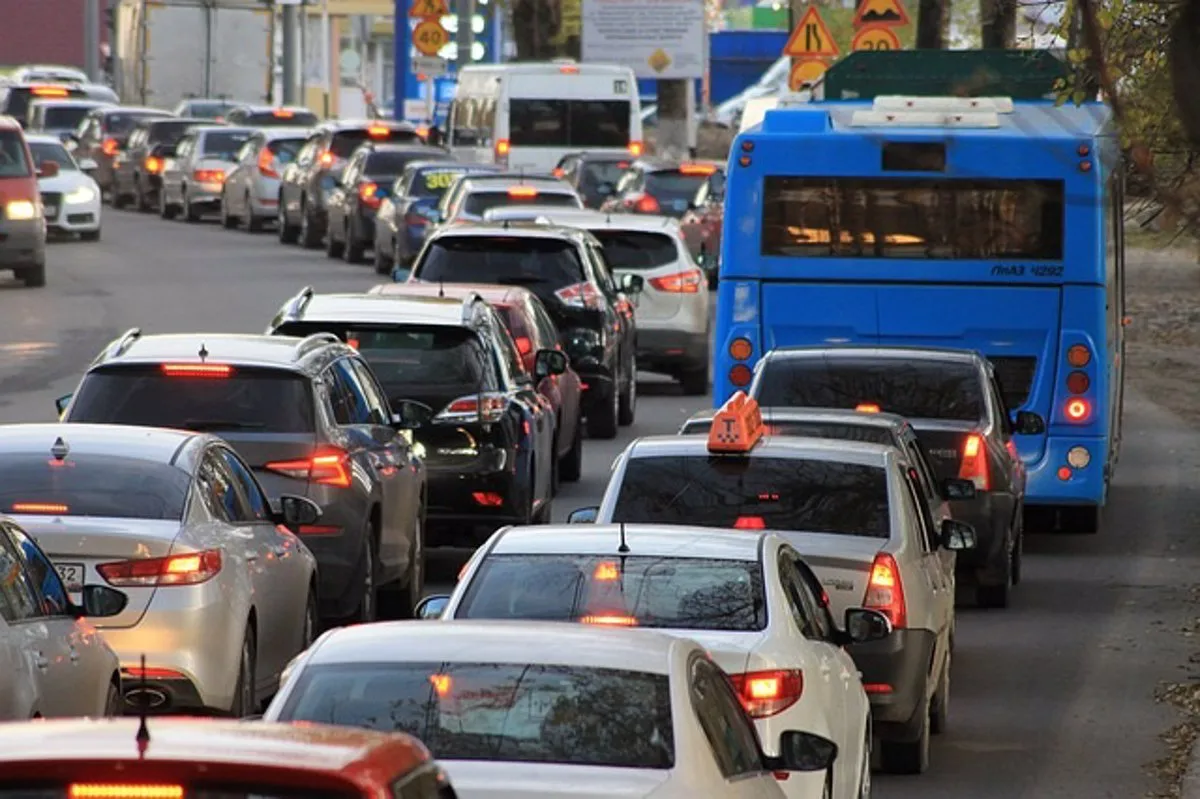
[1051,698]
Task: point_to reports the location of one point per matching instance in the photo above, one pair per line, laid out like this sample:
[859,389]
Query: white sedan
[746,596]
[516,709]
[70,197]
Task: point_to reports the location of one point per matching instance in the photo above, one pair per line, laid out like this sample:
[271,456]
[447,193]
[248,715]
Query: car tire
[90,235]
[997,595]
[382,260]
[141,200]
[939,709]
[114,703]
[627,409]
[118,200]
[309,238]
[908,757]
[34,277]
[333,248]
[416,569]
[694,381]
[287,233]
[352,251]
[244,688]
[312,620]
[190,214]
[165,209]
[228,220]
[570,467]
[368,603]
[602,422]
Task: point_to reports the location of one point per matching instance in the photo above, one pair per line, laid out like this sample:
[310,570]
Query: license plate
[51,210]
[72,576]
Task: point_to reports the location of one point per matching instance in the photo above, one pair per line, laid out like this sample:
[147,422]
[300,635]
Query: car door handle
[40,661]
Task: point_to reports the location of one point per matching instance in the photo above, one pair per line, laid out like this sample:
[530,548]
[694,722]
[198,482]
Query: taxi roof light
[737,426]
[867,407]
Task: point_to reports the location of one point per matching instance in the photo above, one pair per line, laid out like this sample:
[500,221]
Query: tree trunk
[671,135]
[998,21]
[1183,56]
[931,25]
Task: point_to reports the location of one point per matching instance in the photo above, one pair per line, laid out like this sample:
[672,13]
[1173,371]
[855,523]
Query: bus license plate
[72,576]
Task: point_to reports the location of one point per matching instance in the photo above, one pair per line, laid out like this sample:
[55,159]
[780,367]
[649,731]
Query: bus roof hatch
[924,119]
[999,105]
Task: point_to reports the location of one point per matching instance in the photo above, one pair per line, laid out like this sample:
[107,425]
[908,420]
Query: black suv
[309,417]
[318,168]
[587,172]
[452,371]
[137,174]
[954,401]
[566,269]
[367,181]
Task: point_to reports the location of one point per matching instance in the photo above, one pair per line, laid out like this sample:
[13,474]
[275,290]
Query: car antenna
[143,731]
[624,548]
[60,449]
[203,352]
[442,289]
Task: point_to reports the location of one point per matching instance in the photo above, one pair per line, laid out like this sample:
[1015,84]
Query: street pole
[466,34]
[91,40]
[326,57]
[289,54]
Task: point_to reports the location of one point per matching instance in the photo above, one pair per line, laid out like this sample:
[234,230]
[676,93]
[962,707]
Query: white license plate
[72,576]
[51,210]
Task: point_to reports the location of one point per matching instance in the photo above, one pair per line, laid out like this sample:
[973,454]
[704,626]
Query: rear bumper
[204,194]
[364,226]
[671,349]
[895,672]
[1085,486]
[264,197]
[455,517]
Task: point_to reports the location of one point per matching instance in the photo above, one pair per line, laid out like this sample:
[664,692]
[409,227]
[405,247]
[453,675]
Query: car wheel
[416,570]
[1018,552]
[628,407]
[694,381]
[140,196]
[90,235]
[118,199]
[309,238]
[602,421]
[939,712]
[352,250]
[368,603]
[287,233]
[34,277]
[382,260]
[997,595]
[165,209]
[333,248]
[243,697]
[228,220]
[570,468]
[190,214]
[254,222]
[308,633]
[114,704]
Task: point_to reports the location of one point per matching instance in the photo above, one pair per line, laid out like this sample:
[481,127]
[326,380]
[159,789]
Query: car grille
[52,199]
[1015,375]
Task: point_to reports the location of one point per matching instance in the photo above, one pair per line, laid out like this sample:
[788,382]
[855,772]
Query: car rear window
[168,132]
[253,400]
[289,119]
[64,116]
[480,201]
[91,485]
[912,388]
[435,181]
[568,123]
[671,187]
[391,164]
[632,249]
[536,263]
[345,142]
[868,434]
[505,712]
[760,492]
[118,124]
[597,172]
[14,162]
[668,593]
[224,144]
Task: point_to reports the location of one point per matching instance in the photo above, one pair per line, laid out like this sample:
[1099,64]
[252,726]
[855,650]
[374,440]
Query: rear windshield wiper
[202,425]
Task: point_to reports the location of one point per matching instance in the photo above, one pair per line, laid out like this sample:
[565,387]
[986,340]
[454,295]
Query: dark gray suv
[310,418]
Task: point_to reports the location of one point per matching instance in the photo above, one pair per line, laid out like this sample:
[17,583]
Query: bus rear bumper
[1044,485]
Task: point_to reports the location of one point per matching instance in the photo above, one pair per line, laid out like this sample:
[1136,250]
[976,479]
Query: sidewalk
[1189,788]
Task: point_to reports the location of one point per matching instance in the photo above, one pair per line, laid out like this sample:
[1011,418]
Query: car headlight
[81,195]
[20,210]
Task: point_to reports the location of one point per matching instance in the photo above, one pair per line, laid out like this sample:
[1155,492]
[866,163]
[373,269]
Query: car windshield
[671,593]
[65,117]
[506,712]
[759,492]
[243,399]
[13,161]
[223,145]
[930,389]
[481,201]
[433,182]
[633,249]
[536,263]
[50,151]
[106,485]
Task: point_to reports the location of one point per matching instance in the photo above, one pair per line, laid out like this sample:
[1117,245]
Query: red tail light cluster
[209,176]
[645,204]
[191,568]
[327,468]
[974,466]
[1078,409]
[369,194]
[688,282]
[266,164]
[768,693]
[885,591]
[475,408]
[581,295]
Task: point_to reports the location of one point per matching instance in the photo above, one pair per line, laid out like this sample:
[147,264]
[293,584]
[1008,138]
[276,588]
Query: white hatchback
[519,710]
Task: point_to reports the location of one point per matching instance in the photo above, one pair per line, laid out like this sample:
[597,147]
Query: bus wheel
[1084,519]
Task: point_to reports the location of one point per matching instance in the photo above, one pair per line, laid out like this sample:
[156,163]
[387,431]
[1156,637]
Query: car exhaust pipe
[146,698]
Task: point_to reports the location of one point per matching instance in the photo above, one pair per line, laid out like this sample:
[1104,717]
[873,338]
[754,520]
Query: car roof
[507,229]
[542,185]
[381,308]
[489,292]
[42,138]
[497,641]
[441,164]
[271,134]
[311,747]
[644,540]
[874,351]
[834,415]
[782,446]
[338,125]
[154,444]
[247,349]
[522,213]
[209,127]
[594,220]
[400,147]
[256,108]
[135,109]
[73,102]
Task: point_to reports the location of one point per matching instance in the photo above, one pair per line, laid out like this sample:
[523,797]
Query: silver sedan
[250,195]
[220,593]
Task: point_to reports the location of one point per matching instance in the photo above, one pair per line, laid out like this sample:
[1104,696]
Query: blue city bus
[873,221]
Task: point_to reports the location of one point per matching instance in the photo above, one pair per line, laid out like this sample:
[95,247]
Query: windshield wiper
[203,425]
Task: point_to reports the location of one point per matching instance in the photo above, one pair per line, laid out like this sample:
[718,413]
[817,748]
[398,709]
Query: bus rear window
[931,389]
[761,493]
[568,123]
[937,219]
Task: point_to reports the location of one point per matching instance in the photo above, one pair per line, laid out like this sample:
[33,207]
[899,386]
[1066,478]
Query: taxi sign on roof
[737,426]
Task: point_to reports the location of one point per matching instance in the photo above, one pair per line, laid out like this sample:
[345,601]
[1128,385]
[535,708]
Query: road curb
[1190,787]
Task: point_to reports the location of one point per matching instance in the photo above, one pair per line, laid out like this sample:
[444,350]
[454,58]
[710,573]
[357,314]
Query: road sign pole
[406,85]
[466,34]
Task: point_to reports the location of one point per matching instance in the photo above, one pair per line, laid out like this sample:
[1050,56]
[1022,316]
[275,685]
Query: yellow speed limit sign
[429,37]
[805,73]
[875,37]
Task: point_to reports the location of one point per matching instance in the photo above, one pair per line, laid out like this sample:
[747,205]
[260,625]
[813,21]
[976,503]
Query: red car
[22,222]
[532,330]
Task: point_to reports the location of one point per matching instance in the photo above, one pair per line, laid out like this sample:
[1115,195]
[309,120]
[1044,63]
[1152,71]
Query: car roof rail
[297,304]
[315,340]
[122,344]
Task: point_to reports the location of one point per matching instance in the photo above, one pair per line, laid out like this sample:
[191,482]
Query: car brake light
[646,204]
[283,113]
[154,165]
[610,620]
[523,192]
[581,295]
[191,568]
[569,69]
[867,407]
[48,91]
[209,176]
[197,370]
[750,523]
[488,499]
[326,468]
[559,172]
[524,345]
[119,791]
[367,192]
[485,408]
[377,131]
[768,693]
[1078,409]
[39,507]
[326,159]
[110,147]
[266,164]
[975,462]
[697,169]
[885,591]
[635,149]
[688,282]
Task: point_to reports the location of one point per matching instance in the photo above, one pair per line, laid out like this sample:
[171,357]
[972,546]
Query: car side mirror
[88,165]
[803,751]
[410,414]
[62,402]
[49,169]
[958,488]
[431,607]
[296,512]
[1028,423]
[632,284]
[957,536]
[100,601]
[549,362]
[863,625]
[583,516]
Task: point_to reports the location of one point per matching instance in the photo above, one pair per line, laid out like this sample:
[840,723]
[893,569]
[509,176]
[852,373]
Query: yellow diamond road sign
[659,60]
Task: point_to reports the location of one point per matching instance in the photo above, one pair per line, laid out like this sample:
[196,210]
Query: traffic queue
[761,604]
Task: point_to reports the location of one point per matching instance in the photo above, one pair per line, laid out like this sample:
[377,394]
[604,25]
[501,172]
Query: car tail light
[217,370]
[635,149]
[48,91]
[326,159]
[378,131]
[688,282]
[581,295]
[105,790]
[768,693]
[485,408]
[974,465]
[110,147]
[524,345]
[266,164]
[154,165]
[209,176]
[569,69]
[750,523]
[867,407]
[368,193]
[885,591]
[522,192]
[326,468]
[559,172]
[191,568]
[646,204]
[1078,410]
[40,507]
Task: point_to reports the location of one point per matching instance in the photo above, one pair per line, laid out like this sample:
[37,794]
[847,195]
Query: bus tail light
[1079,356]
[1078,410]
[1078,382]
[740,375]
[975,463]
[768,693]
[740,349]
[885,591]
[502,149]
